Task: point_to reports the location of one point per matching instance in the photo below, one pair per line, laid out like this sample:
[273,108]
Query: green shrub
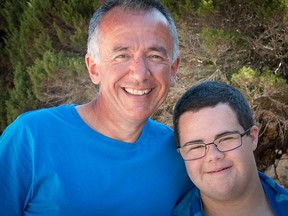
[212,38]
[256,84]
[21,97]
[43,43]
[34,32]
[60,78]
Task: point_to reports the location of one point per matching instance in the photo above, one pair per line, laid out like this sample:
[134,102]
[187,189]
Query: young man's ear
[174,69]
[254,134]
[92,68]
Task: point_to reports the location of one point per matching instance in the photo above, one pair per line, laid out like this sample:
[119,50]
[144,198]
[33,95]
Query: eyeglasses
[197,150]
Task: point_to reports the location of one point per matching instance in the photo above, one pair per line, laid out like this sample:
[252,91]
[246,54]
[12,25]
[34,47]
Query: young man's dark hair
[209,94]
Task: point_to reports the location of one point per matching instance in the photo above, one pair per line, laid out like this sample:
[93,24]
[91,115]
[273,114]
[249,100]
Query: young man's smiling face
[219,175]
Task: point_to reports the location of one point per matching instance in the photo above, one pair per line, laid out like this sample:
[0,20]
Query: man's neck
[109,124]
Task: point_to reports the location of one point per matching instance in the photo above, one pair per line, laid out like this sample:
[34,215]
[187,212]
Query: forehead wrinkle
[120,48]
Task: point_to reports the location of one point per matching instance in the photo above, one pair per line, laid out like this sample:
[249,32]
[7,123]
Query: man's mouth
[219,170]
[137,92]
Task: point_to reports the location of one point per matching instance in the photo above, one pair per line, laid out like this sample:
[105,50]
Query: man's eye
[156,58]
[122,56]
[195,147]
[228,138]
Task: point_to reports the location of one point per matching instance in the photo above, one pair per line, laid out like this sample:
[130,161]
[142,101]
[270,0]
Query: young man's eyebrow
[226,133]
[198,141]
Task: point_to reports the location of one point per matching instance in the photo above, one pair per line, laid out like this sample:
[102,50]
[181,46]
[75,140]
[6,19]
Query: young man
[106,157]
[216,136]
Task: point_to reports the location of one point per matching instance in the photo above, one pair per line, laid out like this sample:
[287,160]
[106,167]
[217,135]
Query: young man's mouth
[219,170]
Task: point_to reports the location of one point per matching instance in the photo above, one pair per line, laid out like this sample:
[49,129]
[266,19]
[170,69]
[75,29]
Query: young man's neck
[253,202]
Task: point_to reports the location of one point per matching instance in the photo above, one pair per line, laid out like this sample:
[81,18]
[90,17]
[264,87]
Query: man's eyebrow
[199,141]
[226,133]
[159,49]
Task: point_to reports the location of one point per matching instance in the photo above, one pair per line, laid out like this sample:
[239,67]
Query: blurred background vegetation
[241,42]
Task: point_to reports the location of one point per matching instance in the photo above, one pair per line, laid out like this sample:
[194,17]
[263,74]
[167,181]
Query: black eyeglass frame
[212,143]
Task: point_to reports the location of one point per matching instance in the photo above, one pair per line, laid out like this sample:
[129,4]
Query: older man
[106,157]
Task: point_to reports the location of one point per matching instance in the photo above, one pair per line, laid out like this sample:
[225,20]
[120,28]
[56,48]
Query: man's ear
[174,69]
[92,68]
[254,134]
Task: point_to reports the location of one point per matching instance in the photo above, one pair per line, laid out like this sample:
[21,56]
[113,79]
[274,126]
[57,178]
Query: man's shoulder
[61,109]
[43,116]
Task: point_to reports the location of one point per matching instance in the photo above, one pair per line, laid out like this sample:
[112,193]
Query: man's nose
[213,153]
[139,69]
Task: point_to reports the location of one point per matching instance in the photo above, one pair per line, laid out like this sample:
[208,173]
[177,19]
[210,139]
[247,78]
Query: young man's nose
[212,152]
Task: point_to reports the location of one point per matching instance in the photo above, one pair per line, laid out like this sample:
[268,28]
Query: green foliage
[21,98]
[187,7]
[268,9]
[213,37]
[253,77]
[181,8]
[58,78]
[43,43]
[285,9]
[10,12]
[3,96]
[206,7]
[258,83]
[34,30]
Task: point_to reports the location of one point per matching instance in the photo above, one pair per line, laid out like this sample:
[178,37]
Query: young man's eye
[195,147]
[227,139]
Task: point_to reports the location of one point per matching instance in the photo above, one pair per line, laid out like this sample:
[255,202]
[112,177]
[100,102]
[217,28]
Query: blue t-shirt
[52,163]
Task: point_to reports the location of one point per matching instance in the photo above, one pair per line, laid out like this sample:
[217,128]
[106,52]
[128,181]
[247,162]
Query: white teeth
[137,92]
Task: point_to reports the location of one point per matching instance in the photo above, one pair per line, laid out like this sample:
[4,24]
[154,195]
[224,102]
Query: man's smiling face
[135,69]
